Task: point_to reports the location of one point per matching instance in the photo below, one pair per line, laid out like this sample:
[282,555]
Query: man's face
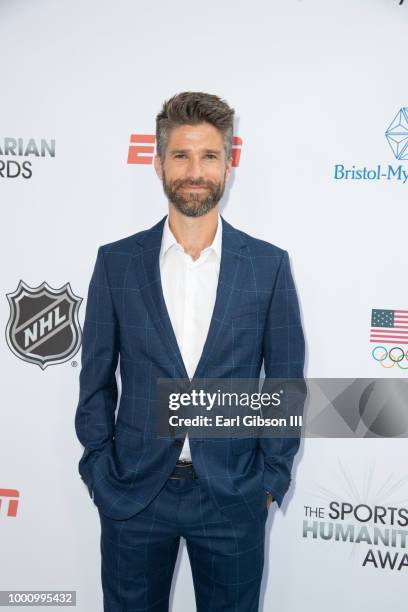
[194,172]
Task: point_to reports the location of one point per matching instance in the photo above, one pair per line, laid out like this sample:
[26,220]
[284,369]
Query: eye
[177,155]
[211,156]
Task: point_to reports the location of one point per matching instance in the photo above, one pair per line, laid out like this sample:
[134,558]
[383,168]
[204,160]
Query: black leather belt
[184,469]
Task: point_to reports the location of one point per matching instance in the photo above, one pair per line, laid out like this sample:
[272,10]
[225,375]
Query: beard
[193,203]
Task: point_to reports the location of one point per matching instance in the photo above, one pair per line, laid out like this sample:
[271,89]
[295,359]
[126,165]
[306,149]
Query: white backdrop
[315,84]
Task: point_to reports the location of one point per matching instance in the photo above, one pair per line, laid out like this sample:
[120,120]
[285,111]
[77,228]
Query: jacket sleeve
[98,392]
[283,353]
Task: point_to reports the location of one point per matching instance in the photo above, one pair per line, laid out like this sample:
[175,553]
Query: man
[191,297]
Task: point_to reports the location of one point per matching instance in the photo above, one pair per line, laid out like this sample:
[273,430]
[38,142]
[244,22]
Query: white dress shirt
[189,290]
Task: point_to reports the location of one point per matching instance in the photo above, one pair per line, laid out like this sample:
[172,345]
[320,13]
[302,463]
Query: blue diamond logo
[397,134]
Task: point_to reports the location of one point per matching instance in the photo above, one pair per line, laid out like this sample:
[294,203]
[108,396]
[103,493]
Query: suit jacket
[255,320]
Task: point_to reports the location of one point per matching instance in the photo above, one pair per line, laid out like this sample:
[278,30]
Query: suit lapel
[148,275]
[229,281]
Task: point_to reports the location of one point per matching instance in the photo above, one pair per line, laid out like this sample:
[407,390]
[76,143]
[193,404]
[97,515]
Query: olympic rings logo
[396,355]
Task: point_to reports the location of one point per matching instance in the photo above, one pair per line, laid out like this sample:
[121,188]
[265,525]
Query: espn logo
[9,498]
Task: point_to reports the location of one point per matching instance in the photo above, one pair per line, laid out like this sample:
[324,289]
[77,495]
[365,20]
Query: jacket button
[178,443]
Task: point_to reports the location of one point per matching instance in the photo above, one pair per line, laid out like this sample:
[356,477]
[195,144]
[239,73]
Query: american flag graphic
[389,326]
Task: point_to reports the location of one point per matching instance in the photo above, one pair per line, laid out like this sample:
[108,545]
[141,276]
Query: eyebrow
[215,151]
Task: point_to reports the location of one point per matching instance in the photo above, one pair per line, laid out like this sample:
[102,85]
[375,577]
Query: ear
[158,166]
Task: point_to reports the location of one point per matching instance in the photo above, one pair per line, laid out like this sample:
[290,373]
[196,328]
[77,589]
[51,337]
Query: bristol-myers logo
[397,134]
[397,137]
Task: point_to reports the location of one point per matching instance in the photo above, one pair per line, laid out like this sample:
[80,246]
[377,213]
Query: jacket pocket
[245,313]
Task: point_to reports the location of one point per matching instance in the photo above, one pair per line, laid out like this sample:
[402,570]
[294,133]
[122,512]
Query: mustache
[178,184]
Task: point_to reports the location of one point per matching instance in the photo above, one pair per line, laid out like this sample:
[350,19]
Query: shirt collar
[169,240]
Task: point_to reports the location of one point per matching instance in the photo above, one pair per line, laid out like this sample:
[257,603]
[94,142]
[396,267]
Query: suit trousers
[138,554]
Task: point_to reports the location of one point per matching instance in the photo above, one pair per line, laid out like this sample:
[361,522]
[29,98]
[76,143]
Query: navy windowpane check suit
[125,466]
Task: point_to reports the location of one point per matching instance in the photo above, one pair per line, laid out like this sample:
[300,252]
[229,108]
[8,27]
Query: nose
[194,168]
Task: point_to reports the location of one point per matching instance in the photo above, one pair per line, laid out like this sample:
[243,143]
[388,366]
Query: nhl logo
[43,327]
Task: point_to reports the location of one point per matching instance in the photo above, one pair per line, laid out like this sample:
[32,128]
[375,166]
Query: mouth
[194,187]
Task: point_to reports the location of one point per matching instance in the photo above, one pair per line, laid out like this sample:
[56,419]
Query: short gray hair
[193,108]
